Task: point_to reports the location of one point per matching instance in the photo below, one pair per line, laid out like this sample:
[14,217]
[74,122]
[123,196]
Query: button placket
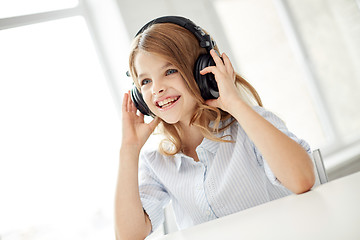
[202,199]
[208,213]
[203,204]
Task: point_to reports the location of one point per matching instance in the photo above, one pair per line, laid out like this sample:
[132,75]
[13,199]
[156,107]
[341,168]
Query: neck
[192,137]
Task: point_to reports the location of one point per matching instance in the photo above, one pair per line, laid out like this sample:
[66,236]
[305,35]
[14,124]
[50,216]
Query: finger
[124,102]
[141,117]
[154,123]
[129,102]
[210,69]
[133,107]
[219,63]
[228,65]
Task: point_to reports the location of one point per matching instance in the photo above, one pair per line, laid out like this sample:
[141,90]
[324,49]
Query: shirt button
[208,213]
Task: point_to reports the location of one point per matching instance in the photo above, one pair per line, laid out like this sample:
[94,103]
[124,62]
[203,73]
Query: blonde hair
[181,48]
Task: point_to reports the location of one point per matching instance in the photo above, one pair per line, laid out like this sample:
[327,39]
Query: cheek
[147,98]
[191,101]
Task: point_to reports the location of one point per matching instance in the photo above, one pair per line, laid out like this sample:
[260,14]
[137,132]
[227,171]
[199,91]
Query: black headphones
[207,83]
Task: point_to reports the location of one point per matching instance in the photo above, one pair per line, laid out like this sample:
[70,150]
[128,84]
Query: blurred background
[62,77]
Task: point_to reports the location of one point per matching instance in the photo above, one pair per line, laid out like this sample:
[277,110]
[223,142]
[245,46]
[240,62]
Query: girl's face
[163,89]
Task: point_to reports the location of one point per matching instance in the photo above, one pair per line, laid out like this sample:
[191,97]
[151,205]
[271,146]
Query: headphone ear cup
[139,102]
[207,83]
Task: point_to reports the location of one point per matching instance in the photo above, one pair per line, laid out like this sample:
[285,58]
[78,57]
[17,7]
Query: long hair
[181,48]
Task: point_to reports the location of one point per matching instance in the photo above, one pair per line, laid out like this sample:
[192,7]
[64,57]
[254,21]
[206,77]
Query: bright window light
[60,135]
[266,60]
[330,31]
[11,8]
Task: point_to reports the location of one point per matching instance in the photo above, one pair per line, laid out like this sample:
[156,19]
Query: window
[330,34]
[60,133]
[11,8]
[301,56]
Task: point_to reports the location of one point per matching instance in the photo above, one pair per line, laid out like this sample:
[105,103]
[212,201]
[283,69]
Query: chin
[169,119]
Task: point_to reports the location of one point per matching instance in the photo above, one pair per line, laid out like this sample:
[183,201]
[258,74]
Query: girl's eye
[145,81]
[170,71]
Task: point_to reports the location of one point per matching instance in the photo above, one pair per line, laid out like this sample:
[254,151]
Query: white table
[330,211]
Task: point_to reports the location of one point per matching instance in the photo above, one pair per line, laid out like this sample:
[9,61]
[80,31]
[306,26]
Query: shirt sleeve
[153,194]
[279,124]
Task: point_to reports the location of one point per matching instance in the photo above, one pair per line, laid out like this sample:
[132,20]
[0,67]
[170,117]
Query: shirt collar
[207,144]
[178,159]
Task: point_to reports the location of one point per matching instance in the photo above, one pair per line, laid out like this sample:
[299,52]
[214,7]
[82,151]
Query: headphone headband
[204,39]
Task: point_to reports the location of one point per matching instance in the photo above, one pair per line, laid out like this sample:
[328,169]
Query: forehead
[143,59]
[149,63]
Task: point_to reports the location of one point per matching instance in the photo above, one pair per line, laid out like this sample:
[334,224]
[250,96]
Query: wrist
[130,148]
[237,105]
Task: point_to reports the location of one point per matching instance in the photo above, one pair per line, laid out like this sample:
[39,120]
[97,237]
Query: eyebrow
[162,68]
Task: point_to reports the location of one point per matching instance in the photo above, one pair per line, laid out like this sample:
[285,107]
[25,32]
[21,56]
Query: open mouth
[167,102]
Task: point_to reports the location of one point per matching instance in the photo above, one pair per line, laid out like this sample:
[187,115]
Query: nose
[157,87]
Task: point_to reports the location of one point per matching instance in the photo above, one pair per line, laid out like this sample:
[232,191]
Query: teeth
[167,101]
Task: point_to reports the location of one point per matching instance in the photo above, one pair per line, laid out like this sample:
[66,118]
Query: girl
[219,156]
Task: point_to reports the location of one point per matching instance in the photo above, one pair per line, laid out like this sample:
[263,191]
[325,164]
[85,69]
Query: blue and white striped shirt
[229,178]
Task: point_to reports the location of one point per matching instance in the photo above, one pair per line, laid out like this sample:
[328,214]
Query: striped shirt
[228,178]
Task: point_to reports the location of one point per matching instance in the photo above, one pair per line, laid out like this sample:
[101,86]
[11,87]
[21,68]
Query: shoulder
[149,154]
[270,116]
[156,165]
[238,132]
[150,150]
[281,125]
[148,160]
[263,111]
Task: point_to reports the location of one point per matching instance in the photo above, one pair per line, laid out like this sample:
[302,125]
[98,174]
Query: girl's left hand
[225,78]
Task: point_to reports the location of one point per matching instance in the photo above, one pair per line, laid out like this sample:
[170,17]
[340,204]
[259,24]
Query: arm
[131,222]
[288,160]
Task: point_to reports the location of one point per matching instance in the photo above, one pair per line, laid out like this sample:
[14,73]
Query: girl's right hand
[135,131]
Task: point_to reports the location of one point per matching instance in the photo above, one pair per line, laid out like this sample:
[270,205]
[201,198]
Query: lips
[167,102]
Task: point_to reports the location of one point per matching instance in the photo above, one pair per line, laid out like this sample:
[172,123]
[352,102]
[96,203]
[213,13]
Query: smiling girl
[219,155]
